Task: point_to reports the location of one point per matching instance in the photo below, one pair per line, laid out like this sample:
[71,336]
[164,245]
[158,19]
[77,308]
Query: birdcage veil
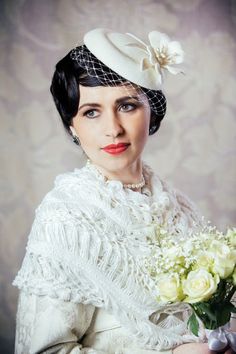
[107,77]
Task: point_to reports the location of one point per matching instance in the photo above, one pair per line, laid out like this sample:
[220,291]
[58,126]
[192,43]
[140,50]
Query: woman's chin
[115,164]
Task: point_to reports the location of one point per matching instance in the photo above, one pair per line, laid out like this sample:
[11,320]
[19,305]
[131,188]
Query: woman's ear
[73,132]
[74,135]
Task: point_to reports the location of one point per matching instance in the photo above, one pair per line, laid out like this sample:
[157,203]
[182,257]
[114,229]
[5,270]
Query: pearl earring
[74,136]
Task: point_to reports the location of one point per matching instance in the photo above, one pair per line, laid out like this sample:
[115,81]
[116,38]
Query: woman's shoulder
[188,206]
[57,200]
[176,199]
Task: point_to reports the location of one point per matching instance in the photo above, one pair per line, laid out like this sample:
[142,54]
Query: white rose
[169,288]
[219,248]
[234,277]
[199,285]
[204,260]
[231,234]
[224,266]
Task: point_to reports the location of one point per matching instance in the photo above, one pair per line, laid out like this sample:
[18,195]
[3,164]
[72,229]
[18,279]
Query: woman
[83,288]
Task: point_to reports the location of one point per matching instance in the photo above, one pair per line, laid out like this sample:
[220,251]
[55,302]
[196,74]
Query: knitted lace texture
[87,245]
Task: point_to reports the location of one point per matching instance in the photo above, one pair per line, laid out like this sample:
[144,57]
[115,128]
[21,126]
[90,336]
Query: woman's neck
[132,174]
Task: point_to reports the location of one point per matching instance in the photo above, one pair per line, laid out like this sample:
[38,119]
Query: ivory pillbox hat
[142,64]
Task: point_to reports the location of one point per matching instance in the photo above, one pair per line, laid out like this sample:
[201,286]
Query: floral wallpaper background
[194,149]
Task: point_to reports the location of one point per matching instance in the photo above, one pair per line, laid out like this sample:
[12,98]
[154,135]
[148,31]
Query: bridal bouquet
[199,269]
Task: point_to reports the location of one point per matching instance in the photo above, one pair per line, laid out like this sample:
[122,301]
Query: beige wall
[194,149]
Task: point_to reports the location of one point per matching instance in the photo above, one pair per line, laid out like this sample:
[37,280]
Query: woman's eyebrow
[119,100]
[125,98]
[89,104]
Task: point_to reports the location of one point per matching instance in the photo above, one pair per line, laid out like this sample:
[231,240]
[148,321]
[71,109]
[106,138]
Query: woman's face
[112,115]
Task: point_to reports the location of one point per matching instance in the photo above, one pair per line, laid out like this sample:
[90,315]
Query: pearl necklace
[125,185]
[135,185]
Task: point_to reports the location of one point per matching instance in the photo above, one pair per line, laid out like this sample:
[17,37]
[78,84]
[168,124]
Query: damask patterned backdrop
[194,149]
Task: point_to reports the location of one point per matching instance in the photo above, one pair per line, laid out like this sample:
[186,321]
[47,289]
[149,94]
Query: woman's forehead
[109,92]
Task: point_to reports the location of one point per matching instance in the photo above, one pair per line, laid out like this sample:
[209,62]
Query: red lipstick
[115,149]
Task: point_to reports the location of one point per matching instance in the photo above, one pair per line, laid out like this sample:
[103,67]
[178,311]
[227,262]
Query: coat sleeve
[57,299]
[47,325]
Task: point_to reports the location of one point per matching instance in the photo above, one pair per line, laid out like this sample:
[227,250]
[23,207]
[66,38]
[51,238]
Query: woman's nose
[113,126]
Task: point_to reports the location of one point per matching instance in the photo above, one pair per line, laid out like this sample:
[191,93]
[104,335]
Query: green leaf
[207,309]
[223,312]
[223,317]
[193,324]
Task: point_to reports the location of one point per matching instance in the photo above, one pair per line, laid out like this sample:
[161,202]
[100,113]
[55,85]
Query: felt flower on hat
[161,54]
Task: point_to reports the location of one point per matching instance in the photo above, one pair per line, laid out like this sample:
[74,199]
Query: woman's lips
[115,149]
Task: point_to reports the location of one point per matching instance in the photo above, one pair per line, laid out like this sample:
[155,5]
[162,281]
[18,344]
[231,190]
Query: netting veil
[107,77]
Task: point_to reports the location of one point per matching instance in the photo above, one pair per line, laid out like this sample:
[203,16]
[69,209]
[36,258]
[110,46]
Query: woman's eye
[126,107]
[91,113]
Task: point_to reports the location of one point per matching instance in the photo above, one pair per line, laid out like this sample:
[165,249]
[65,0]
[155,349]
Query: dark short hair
[64,88]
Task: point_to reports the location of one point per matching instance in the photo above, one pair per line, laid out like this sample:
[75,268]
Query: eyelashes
[124,107]
[131,107]
[91,113]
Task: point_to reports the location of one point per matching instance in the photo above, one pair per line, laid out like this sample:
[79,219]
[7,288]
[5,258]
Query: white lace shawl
[87,243]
